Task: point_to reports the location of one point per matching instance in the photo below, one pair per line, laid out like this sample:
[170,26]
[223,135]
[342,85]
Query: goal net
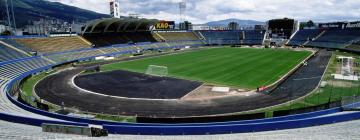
[157,70]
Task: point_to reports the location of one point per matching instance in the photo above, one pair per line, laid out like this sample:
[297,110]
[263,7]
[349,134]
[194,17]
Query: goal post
[157,70]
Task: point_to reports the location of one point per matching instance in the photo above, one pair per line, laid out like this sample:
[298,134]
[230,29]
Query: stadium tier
[222,37]
[302,36]
[336,38]
[7,53]
[53,44]
[326,38]
[354,46]
[175,36]
[253,37]
[13,43]
[243,37]
[101,40]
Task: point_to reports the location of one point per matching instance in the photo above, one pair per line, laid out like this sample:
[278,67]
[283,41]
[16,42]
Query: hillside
[243,23]
[33,10]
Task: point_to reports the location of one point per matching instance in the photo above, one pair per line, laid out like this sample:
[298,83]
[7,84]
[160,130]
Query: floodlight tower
[115,8]
[13,15]
[182,7]
[7,13]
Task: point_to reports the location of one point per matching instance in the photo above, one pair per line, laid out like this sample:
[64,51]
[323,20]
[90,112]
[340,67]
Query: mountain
[34,10]
[242,23]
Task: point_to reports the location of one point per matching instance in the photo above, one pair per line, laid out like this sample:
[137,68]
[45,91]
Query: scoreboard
[165,25]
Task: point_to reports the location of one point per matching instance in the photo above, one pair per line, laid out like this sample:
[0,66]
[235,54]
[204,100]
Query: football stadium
[132,77]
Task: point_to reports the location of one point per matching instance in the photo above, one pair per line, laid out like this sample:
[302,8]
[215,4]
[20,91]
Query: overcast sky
[201,11]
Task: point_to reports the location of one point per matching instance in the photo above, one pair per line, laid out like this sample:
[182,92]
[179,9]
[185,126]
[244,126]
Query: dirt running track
[59,88]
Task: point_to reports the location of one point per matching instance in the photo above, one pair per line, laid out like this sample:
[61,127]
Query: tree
[310,23]
[6,33]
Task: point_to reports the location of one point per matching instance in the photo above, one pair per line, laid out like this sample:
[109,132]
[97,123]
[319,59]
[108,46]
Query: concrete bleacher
[303,36]
[241,37]
[345,130]
[222,37]
[354,46]
[336,38]
[7,53]
[253,37]
[20,131]
[176,36]
[13,43]
[53,44]
[102,40]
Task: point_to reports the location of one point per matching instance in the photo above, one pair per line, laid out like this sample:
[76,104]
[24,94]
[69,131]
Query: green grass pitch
[236,67]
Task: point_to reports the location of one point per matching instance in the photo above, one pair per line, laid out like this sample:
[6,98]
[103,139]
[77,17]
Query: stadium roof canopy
[111,25]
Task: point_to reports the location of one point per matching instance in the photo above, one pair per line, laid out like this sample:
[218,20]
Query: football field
[237,67]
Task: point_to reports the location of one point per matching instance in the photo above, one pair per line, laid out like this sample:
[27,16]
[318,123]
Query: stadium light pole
[8,13]
[13,15]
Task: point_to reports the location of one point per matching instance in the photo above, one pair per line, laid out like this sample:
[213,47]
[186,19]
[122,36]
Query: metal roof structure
[112,25]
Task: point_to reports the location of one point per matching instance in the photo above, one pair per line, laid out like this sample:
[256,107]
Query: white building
[2,28]
[115,8]
[200,27]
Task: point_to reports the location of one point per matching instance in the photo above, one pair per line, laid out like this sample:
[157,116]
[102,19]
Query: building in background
[201,27]
[233,26]
[186,25]
[115,8]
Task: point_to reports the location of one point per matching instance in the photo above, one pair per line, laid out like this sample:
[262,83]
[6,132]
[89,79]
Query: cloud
[201,11]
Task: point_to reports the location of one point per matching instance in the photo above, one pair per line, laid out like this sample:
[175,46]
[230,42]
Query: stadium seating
[354,46]
[243,37]
[222,37]
[336,38]
[7,53]
[13,43]
[12,70]
[302,36]
[53,44]
[253,37]
[177,36]
[101,40]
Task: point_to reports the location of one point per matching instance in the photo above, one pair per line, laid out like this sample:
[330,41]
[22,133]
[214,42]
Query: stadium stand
[7,53]
[336,38]
[20,131]
[176,36]
[53,44]
[354,46]
[222,37]
[253,37]
[243,37]
[11,70]
[303,36]
[13,43]
[101,40]
[138,37]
